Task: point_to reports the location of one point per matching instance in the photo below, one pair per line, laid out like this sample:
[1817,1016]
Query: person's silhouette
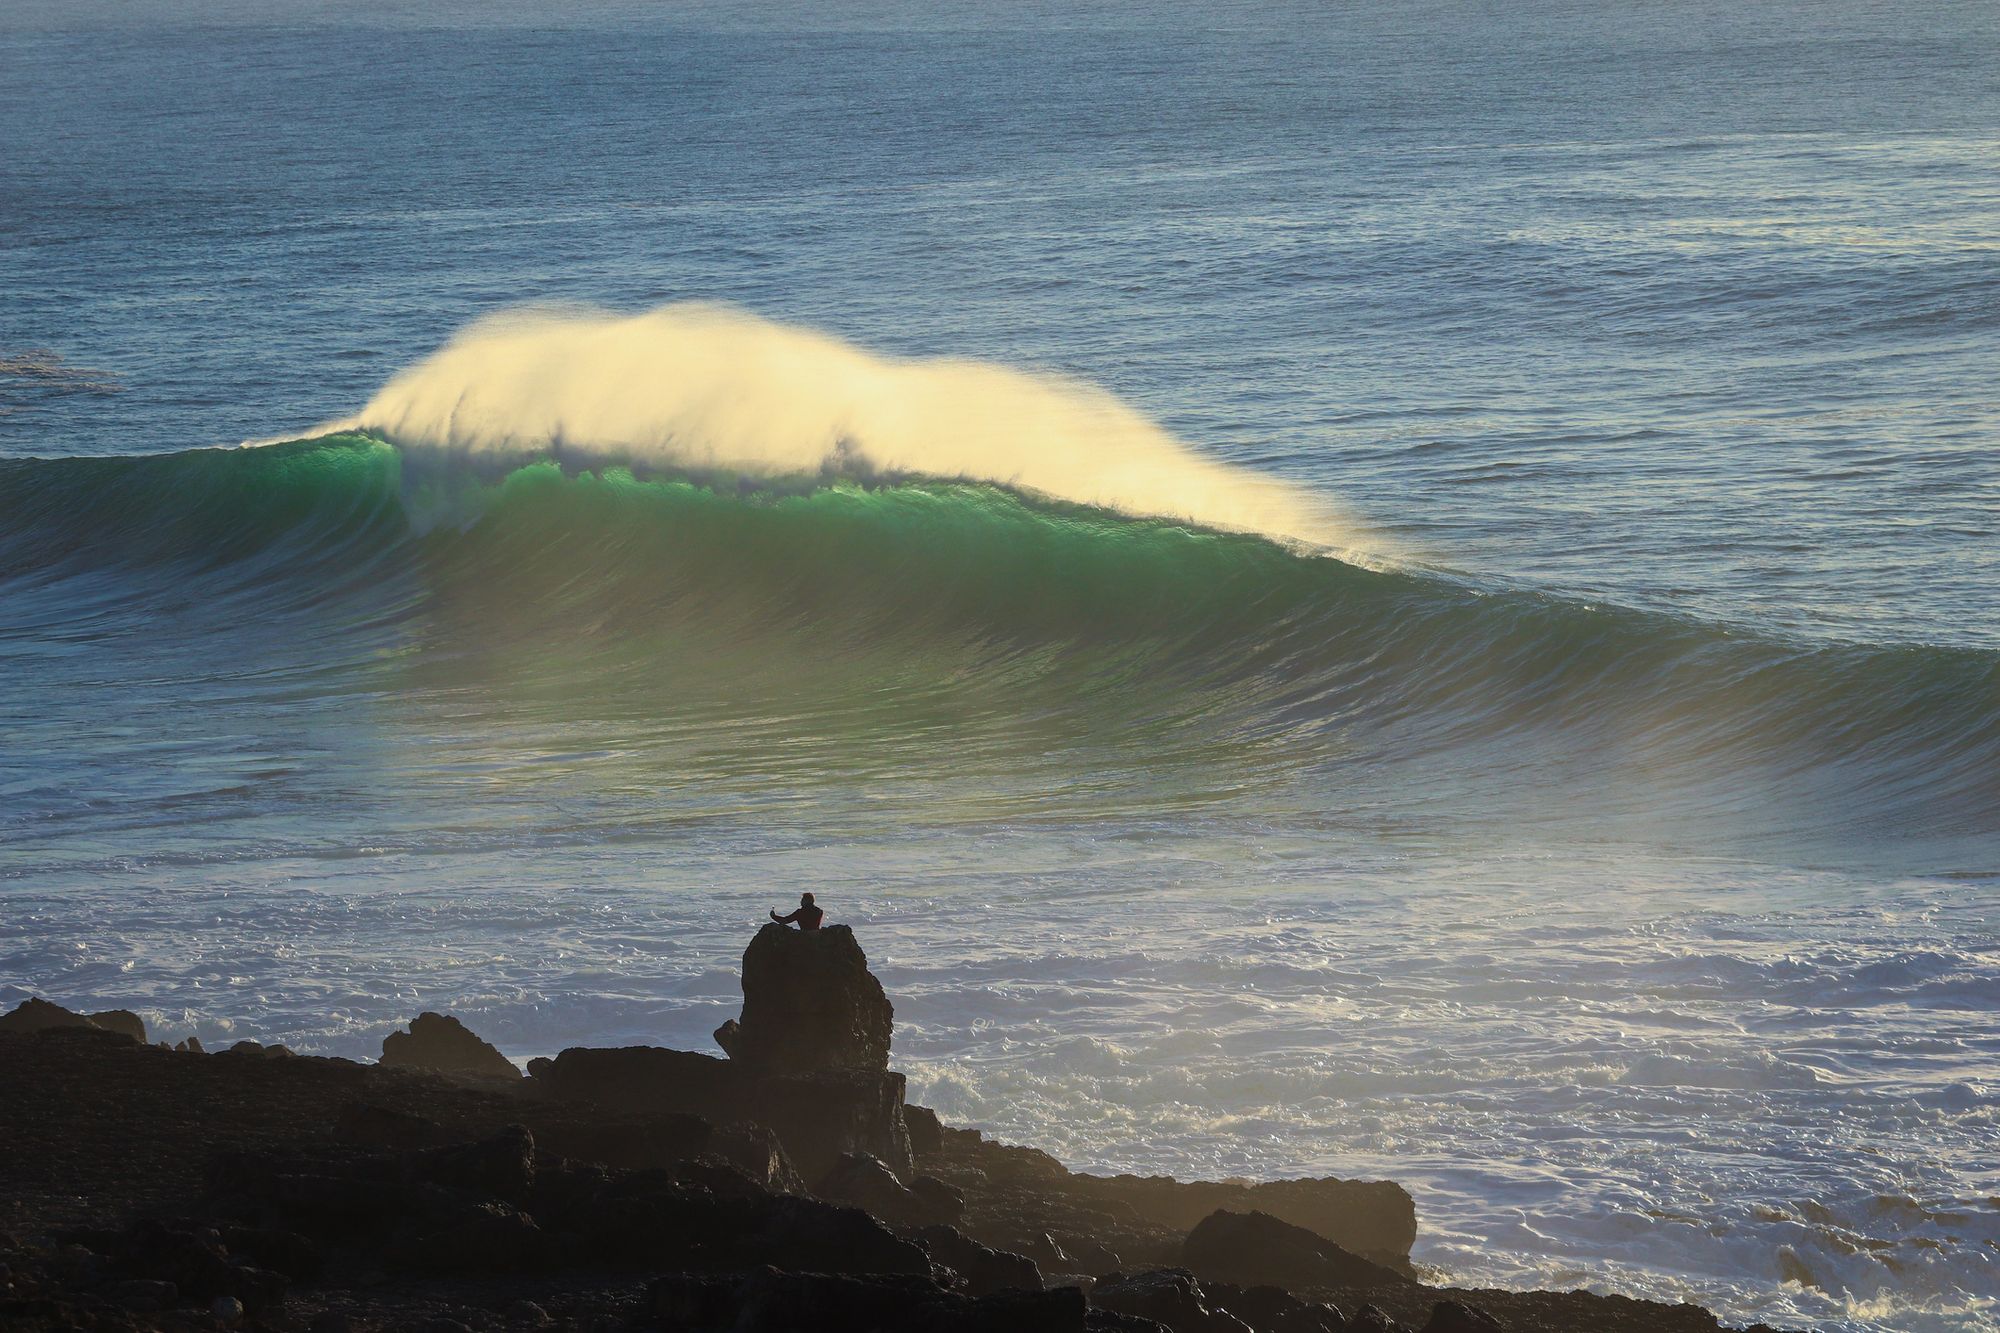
[808,916]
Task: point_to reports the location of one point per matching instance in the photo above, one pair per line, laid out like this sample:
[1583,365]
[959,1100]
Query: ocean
[1386,589]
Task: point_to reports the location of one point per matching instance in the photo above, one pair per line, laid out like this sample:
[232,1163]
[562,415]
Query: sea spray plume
[706,387]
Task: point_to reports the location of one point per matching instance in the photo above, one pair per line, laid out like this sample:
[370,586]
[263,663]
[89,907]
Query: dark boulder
[926,1131]
[863,1182]
[944,1201]
[443,1045]
[38,1015]
[1458,1317]
[982,1269]
[499,1167]
[822,1238]
[120,1020]
[1274,1310]
[1171,1296]
[1253,1249]
[809,1003]
[1372,1319]
[642,1139]
[1375,1219]
[817,1117]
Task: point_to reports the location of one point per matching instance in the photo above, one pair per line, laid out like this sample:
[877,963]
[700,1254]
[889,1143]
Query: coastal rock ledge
[778,1191]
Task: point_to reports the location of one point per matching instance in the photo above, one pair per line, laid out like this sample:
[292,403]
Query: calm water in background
[1625,883]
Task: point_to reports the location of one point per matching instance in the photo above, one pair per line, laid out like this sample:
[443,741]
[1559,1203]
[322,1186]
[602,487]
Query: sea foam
[704,387]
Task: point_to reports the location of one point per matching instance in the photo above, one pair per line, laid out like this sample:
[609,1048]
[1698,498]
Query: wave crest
[694,386]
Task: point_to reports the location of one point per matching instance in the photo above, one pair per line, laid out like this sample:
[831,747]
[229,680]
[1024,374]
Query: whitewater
[1377,591]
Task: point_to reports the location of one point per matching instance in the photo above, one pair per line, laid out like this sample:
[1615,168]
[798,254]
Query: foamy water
[1614,865]
[1768,1092]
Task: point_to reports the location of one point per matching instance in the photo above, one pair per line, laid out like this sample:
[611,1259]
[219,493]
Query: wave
[866,603]
[700,387]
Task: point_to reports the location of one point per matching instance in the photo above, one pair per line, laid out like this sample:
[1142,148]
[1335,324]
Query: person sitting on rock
[807,916]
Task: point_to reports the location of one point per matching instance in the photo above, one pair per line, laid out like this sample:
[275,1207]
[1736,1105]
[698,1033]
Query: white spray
[699,386]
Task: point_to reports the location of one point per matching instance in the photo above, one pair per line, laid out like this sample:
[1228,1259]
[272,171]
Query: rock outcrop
[809,1003]
[818,1117]
[864,1182]
[38,1015]
[443,1045]
[1022,1199]
[1458,1317]
[1169,1296]
[1375,1219]
[150,1189]
[1256,1249]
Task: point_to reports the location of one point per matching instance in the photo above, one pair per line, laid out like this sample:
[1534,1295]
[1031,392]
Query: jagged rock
[38,1015]
[247,1047]
[818,1117]
[809,1003]
[983,1269]
[946,1202]
[1111,1321]
[769,1301]
[1458,1317]
[1170,1295]
[501,1167]
[1375,1219]
[1253,1249]
[1270,1309]
[190,1046]
[120,1020]
[822,1238]
[666,1139]
[1308,1317]
[442,1044]
[1372,1319]
[864,1182]
[756,1152]
[926,1133]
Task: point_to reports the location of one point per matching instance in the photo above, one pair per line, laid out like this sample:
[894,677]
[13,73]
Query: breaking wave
[642,588]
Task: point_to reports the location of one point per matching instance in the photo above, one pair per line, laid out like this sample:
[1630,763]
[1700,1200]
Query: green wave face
[814,628]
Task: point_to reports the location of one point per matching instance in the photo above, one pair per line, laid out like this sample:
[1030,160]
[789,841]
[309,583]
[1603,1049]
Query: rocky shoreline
[789,1186]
